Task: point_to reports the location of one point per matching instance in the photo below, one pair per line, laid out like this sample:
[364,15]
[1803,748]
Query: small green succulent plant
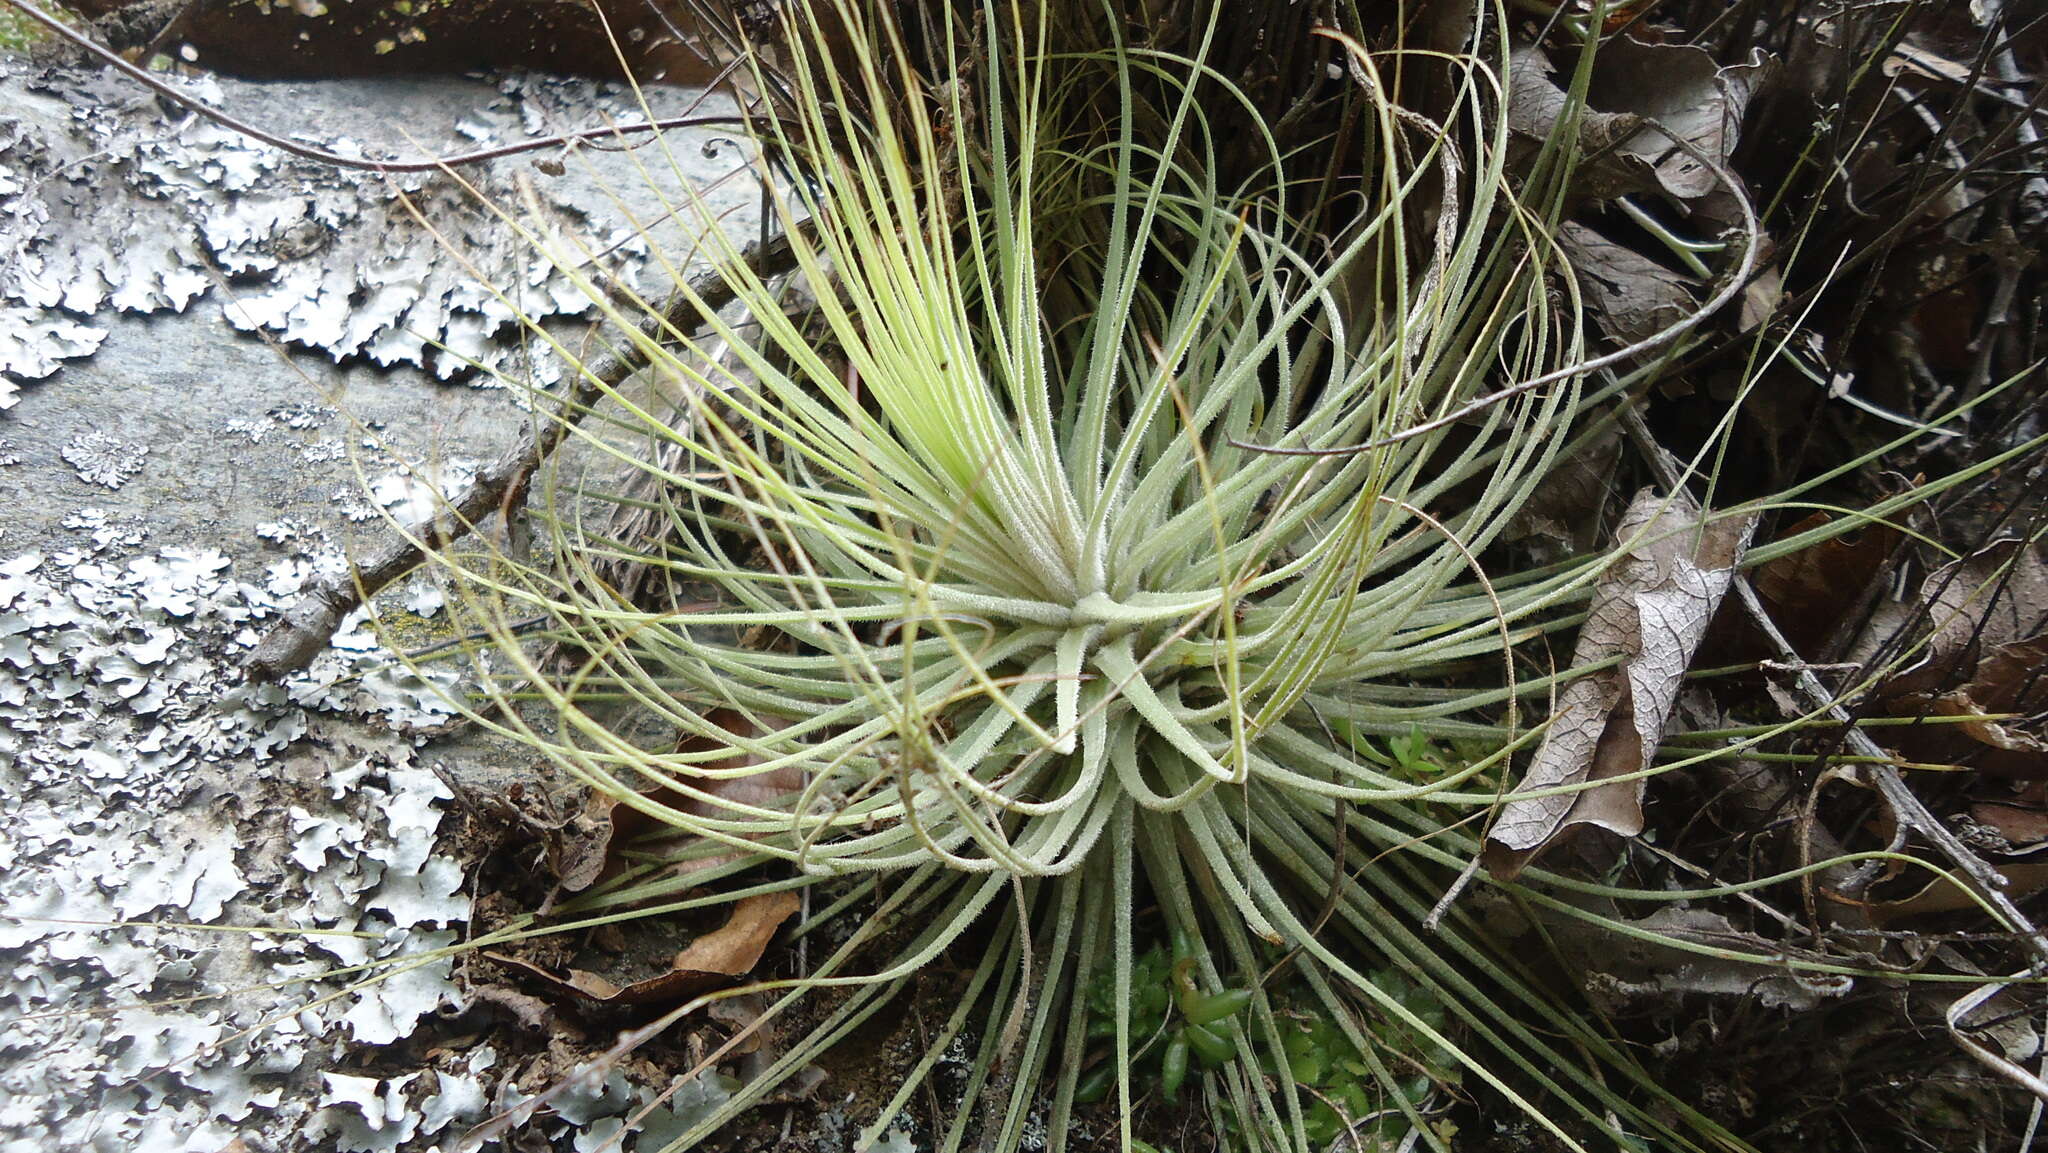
[1180,1023]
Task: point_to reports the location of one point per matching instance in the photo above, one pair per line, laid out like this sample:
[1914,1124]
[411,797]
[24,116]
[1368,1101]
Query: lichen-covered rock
[659,41]
[112,200]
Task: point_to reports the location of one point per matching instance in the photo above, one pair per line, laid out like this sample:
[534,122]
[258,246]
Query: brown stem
[307,626]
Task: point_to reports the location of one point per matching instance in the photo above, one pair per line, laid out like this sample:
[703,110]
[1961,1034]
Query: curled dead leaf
[1535,106]
[1985,663]
[1808,592]
[1650,610]
[1977,605]
[609,824]
[1996,706]
[1686,91]
[1563,515]
[1760,298]
[714,959]
[1642,95]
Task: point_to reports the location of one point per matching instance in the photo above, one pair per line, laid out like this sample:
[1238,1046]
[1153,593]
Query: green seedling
[1177,1024]
[1411,755]
[1339,1089]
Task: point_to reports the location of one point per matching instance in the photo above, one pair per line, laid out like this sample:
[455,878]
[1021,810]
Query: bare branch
[308,625]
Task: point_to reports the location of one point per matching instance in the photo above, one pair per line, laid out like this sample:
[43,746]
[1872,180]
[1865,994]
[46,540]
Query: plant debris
[1649,615]
[709,961]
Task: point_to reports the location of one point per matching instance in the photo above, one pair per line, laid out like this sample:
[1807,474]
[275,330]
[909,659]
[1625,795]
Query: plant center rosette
[1038,564]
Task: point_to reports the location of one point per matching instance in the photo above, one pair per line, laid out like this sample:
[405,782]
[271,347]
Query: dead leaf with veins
[1631,296]
[1685,91]
[1994,597]
[1651,611]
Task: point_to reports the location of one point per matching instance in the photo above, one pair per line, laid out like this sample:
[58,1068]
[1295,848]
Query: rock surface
[189,865]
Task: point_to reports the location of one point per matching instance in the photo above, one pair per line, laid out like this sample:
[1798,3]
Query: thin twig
[1891,784]
[308,625]
[285,144]
[1906,805]
[1752,236]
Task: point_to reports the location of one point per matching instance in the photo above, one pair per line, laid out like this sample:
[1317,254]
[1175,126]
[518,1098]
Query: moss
[18,32]
[406,631]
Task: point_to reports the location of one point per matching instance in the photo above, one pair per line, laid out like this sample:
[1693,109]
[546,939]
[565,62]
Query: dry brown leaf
[2023,880]
[2011,685]
[1686,91]
[1809,591]
[731,950]
[1986,656]
[1535,103]
[1651,609]
[2014,677]
[1563,515]
[741,1015]
[2024,827]
[2009,751]
[610,824]
[736,946]
[1976,605]
[1760,298]
[1632,296]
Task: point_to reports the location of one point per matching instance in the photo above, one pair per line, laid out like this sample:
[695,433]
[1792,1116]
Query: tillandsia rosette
[1039,564]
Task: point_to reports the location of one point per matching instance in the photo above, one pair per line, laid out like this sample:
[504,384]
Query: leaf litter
[714,959]
[1649,614]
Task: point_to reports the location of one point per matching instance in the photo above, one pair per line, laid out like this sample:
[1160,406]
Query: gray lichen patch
[113,200]
[104,460]
[35,342]
[187,862]
[153,801]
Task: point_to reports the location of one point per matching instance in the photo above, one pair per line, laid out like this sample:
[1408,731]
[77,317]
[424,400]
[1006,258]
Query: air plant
[1019,564]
